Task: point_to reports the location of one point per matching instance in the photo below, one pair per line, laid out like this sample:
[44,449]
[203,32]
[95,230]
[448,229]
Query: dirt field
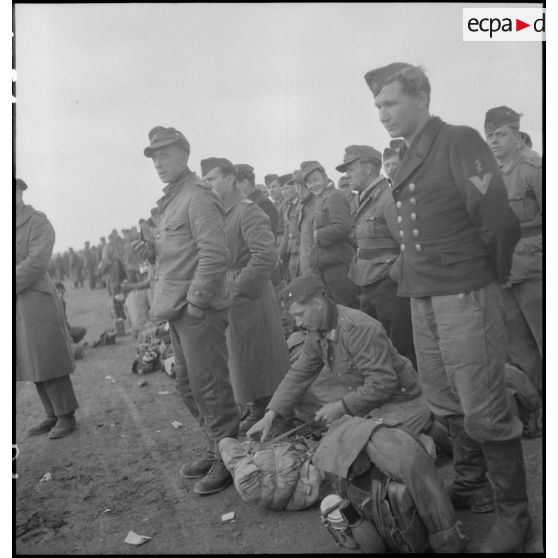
[119,470]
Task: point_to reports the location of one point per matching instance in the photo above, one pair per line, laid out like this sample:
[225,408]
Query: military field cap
[300,288]
[161,137]
[20,184]
[356,152]
[344,182]
[297,177]
[285,179]
[393,149]
[269,178]
[308,167]
[244,171]
[211,163]
[378,77]
[499,116]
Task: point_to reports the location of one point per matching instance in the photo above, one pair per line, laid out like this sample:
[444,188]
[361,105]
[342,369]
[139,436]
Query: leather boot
[451,541]
[256,412]
[45,426]
[65,425]
[216,479]
[506,471]
[470,488]
[198,468]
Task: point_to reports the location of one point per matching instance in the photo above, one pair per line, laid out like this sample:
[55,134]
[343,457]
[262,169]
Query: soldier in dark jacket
[391,160]
[258,354]
[523,297]
[457,239]
[289,250]
[190,257]
[376,263]
[332,250]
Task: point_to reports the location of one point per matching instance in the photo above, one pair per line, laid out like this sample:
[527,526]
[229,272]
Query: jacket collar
[234,199]
[507,167]
[418,151]
[172,188]
[24,213]
[372,191]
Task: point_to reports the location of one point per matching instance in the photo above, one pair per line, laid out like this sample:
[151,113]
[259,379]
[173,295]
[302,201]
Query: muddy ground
[119,470]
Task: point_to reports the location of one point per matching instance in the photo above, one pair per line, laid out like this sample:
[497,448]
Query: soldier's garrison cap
[269,178]
[161,137]
[302,288]
[212,162]
[499,116]
[244,171]
[308,167]
[19,184]
[378,77]
[285,179]
[393,149]
[297,177]
[356,152]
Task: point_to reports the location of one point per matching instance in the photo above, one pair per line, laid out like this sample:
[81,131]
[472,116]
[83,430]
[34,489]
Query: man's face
[220,183]
[275,190]
[391,165]
[356,173]
[316,182]
[169,162]
[244,186]
[400,113]
[289,191]
[307,316]
[503,141]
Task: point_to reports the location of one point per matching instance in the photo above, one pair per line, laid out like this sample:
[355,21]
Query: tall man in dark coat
[258,354]
[44,354]
[375,266]
[190,257]
[457,239]
[332,250]
[523,297]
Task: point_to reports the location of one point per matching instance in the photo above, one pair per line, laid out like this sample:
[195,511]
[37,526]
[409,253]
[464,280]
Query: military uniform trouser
[400,457]
[57,396]
[460,340]
[523,305]
[340,288]
[202,374]
[294,265]
[394,313]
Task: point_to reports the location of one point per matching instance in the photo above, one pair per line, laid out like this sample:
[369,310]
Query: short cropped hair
[413,80]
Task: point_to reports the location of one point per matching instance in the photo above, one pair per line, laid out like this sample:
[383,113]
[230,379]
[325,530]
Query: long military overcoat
[43,344]
[258,354]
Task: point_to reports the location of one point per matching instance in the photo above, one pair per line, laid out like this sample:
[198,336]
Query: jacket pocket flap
[462,252]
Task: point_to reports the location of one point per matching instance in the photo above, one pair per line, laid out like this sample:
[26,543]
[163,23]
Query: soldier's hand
[145,249]
[330,412]
[263,425]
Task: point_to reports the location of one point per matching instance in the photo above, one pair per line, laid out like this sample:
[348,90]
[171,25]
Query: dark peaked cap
[286,178]
[301,287]
[161,137]
[269,178]
[378,77]
[355,153]
[213,162]
[499,116]
[244,171]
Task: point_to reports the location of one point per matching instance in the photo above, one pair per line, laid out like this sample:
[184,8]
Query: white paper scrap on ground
[176,424]
[46,477]
[135,539]
[227,517]
[164,392]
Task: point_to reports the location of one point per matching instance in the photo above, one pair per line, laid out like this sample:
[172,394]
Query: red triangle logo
[519,25]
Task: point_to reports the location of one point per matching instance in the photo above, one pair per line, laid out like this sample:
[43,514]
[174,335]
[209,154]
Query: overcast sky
[266,84]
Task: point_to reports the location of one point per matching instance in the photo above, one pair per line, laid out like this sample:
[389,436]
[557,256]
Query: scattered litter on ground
[164,392]
[135,539]
[176,424]
[107,510]
[108,377]
[142,383]
[228,517]
[46,477]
